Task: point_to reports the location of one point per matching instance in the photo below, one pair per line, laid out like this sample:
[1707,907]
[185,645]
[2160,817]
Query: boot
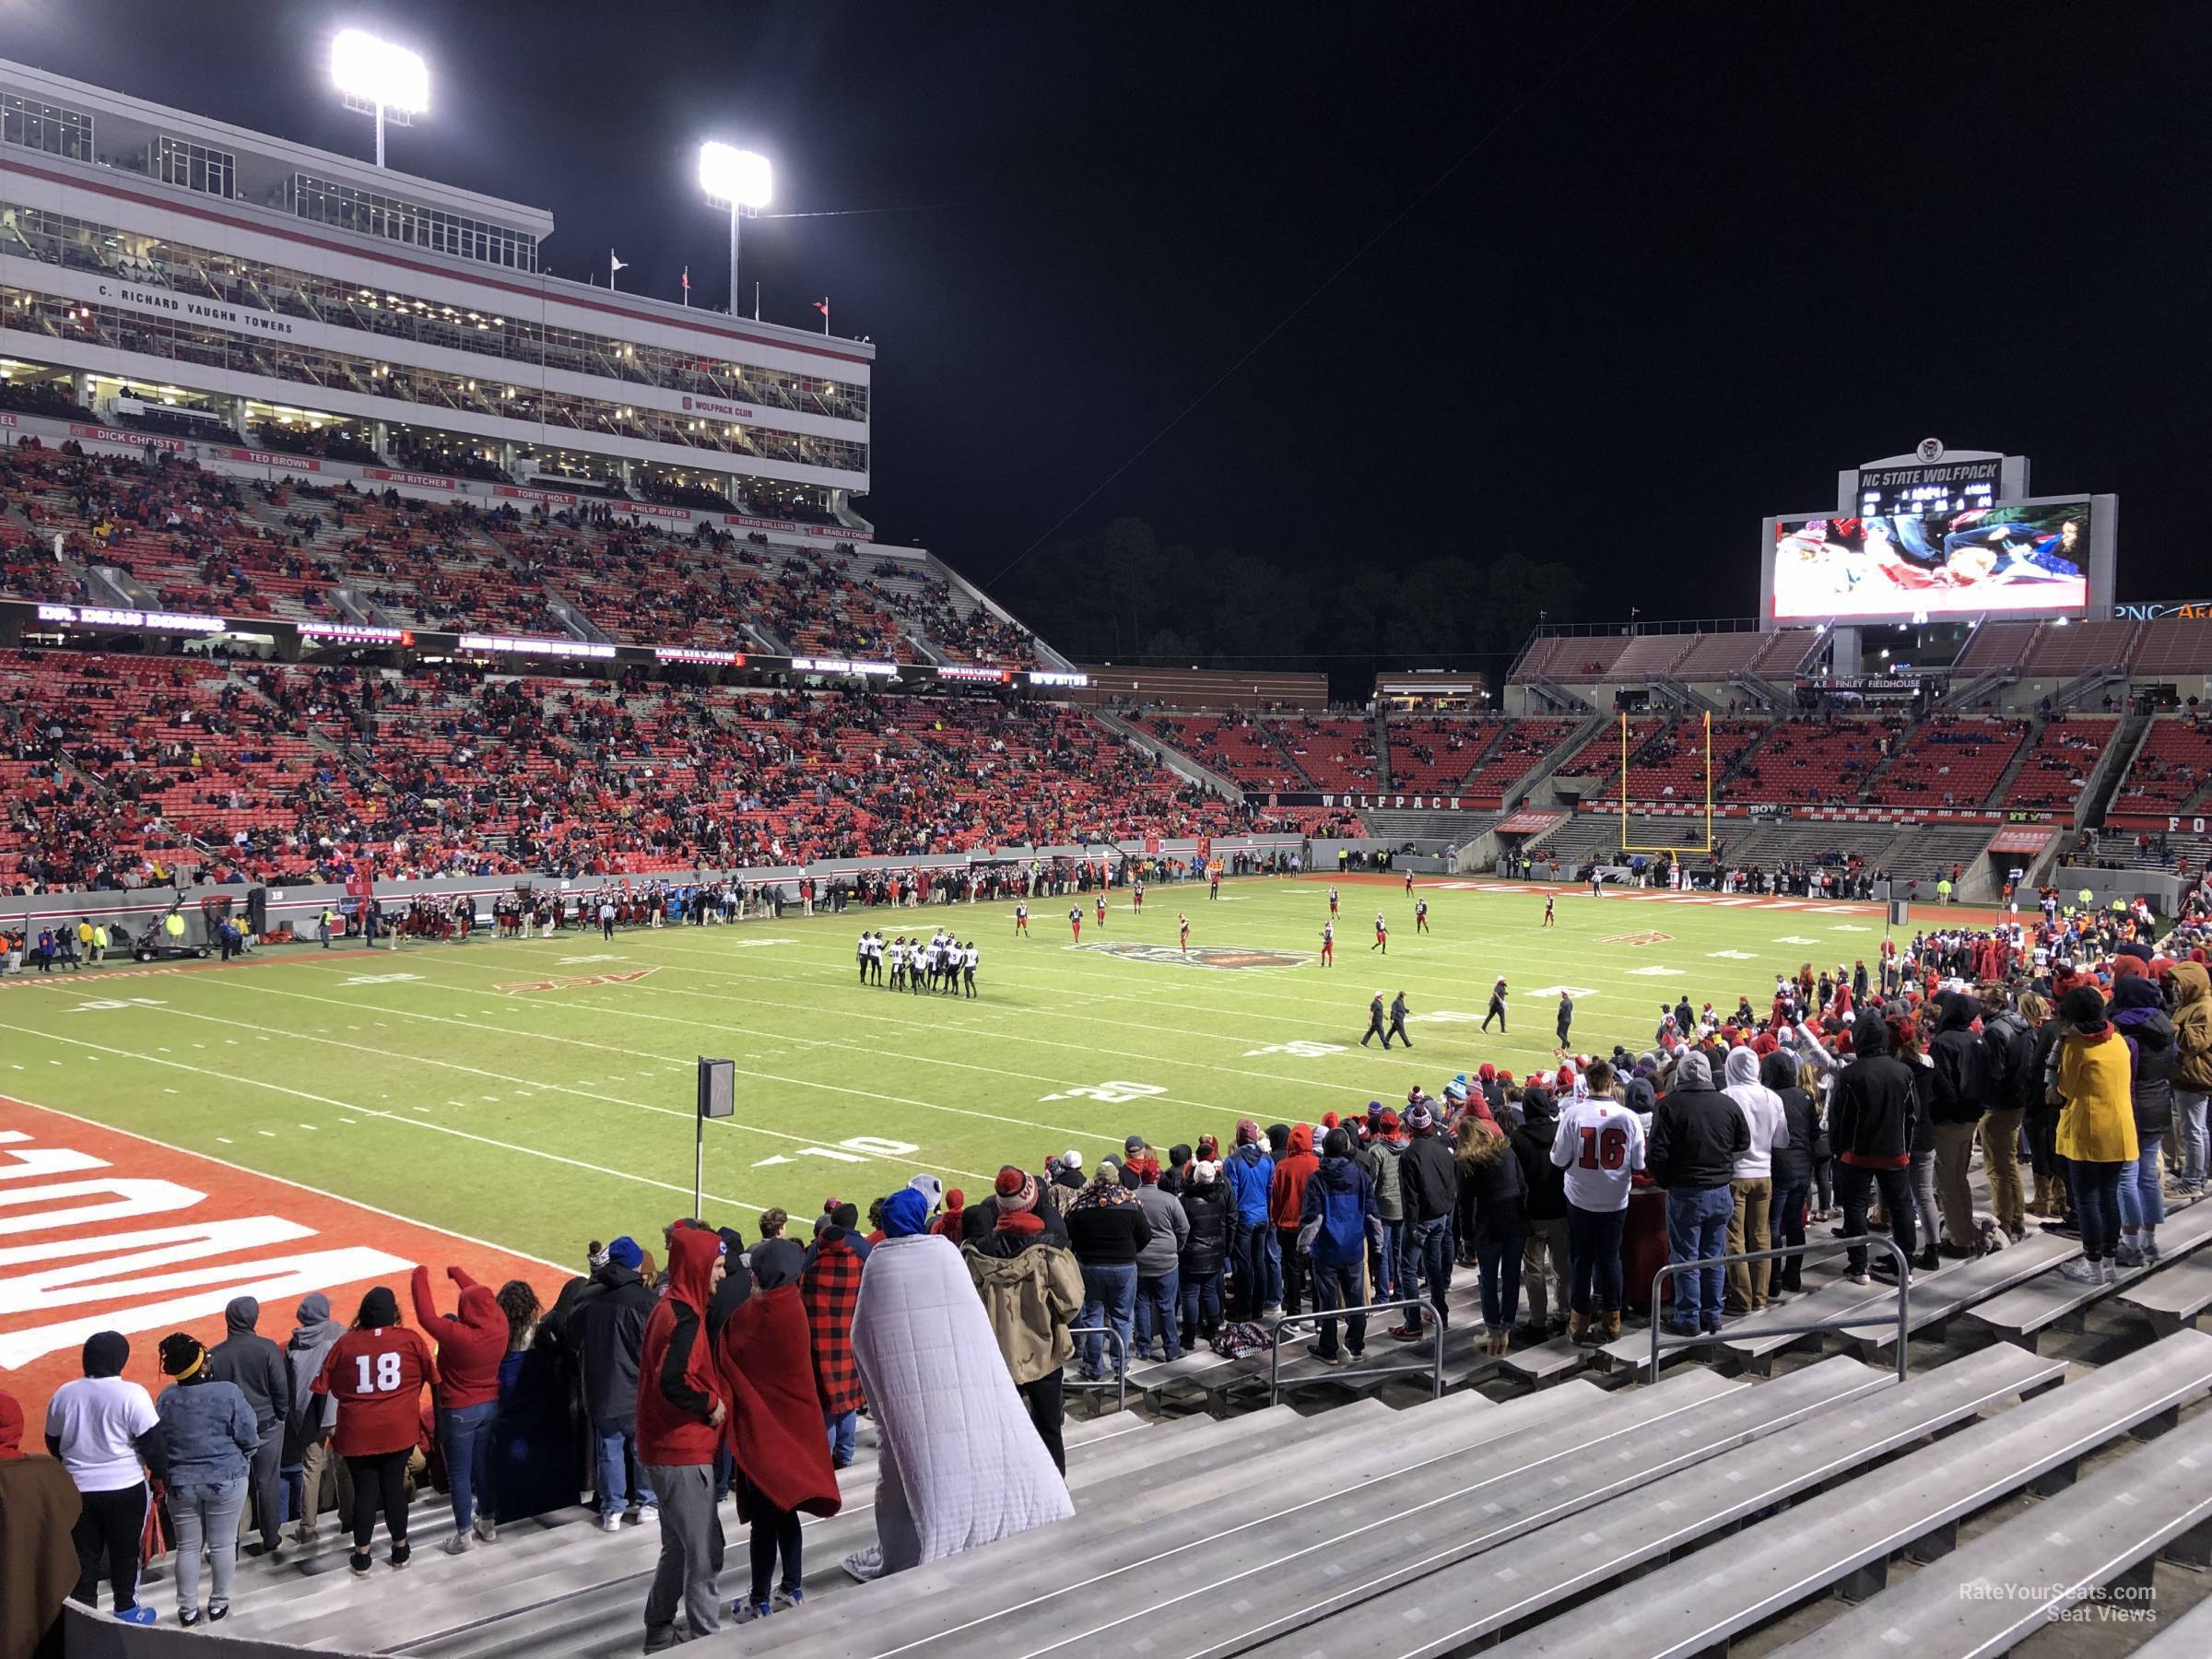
[1578,1329]
[1612,1324]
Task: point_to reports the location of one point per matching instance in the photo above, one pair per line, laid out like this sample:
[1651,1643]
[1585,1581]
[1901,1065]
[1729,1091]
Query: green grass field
[424,1082]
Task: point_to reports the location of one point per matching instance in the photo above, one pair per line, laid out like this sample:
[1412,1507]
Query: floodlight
[380,78]
[737,179]
[733,177]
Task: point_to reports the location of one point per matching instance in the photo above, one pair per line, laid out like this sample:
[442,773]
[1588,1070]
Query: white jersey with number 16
[1600,1145]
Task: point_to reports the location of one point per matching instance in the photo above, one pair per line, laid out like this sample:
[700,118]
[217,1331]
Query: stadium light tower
[375,77]
[739,180]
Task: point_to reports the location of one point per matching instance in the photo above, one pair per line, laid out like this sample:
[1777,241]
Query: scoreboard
[1925,491]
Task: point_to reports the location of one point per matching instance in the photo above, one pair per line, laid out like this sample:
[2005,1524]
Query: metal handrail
[1435,1365]
[1121,1364]
[1810,1247]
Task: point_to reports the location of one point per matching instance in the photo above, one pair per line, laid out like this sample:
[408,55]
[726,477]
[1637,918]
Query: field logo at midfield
[1113,1094]
[629,976]
[1200,956]
[1301,1047]
[1637,939]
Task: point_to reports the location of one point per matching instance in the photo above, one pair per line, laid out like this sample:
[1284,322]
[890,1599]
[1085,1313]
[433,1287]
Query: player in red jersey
[1421,915]
[1075,921]
[1328,944]
[1550,902]
[1410,884]
[376,1372]
[1021,920]
[1102,902]
[1332,900]
[1136,898]
[1381,934]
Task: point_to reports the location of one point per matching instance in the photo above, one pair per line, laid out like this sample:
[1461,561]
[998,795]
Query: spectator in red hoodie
[377,1371]
[1287,1204]
[681,1410]
[471,1344]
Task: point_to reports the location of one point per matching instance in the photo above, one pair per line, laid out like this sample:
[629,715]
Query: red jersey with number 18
[1600,1145]
[377,1376]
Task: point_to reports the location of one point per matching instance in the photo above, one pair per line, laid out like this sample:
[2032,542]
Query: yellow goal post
[1628,843]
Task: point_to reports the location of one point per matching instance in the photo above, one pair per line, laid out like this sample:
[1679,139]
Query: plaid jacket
[830,1289]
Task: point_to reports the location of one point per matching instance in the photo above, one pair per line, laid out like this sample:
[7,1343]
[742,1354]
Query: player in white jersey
[899,963]
[1600,1144]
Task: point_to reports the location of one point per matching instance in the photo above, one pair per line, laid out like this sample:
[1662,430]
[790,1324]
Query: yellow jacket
[2097,1121]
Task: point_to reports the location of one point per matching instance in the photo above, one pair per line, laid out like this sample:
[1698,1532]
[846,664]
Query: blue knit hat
[904,1212]
[624,1253]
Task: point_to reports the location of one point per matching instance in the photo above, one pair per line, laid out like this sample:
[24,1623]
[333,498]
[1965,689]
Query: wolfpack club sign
[1199,956]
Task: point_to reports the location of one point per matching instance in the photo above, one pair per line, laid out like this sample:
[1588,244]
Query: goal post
[1628,844]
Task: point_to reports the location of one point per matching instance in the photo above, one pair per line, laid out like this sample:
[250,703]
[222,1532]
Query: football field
[536,1094]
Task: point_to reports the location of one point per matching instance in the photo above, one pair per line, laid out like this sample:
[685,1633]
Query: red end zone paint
[102,1229]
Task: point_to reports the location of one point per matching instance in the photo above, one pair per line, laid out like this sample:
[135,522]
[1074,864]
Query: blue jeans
[616,1441]
[2189,1123]
[2141,1203]
[1109,1298]
[841,1426]
[1248,1262]
[1201,1304]
[1158,1309]
[2096,1189]
[1697,1230]
[1384,1261]
[1336,1284]
[1499,1258]
[1425,1251]
[468,1436]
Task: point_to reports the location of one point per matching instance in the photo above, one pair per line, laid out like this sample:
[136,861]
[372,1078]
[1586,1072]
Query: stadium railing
[1120,1366]
[1433,1365]
[1662,1339]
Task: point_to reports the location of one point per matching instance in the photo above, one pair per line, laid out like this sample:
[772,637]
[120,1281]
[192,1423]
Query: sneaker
[188,1617]
[746,1612]
[637,1515]
[659,1638]
[486,1528]
[2106,1272]
[1858,1278]
[1403,1333]
[1326,1356]
[2129,1255]
[610,1524]
[2081,1271]
[361,1560]
[401,1555]
[788,1599]
[140,1615]
[216,1614]
[2152,1254]
[457,1544]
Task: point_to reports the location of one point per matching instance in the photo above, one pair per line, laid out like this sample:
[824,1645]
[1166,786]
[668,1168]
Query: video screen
[2018,559]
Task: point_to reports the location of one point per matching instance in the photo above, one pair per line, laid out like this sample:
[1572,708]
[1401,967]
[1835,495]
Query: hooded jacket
[1032,1291]
[2137,1017]
[39,1506]
[1955,1052]
[1792,1159]
[678,1388]
[1287,1190]
[2192,1028]
[1697,1133]
[470,1344]
[1871,1111]
[1531,1141]
[312,1416]
[254,1364]
[1249,1173]
[608,1329]
[2016,1081]
[1763,1116]
[1338,1220]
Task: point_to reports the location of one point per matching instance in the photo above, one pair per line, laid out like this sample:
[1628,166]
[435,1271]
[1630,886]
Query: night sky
[1597,286]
